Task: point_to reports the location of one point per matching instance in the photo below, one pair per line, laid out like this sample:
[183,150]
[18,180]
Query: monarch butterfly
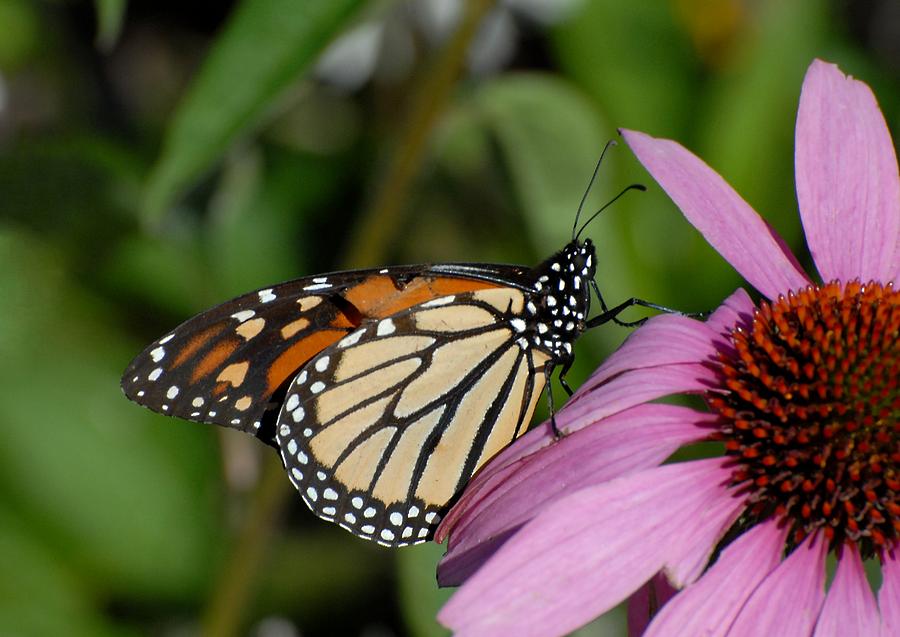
[384,390]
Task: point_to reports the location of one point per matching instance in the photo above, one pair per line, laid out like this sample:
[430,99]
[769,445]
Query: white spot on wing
[316,286]
[172,393]
[158,354]
[267,295]
[441,300]
[351,339]
[166,339]
[385,327]
[322,363]
[155,374]
[243,315]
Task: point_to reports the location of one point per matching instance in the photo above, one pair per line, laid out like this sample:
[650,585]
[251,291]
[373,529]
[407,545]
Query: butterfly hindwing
[381,429]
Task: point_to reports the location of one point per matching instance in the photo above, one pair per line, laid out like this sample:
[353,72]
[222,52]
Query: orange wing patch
[293,358]
[379,297]
[196,343]
[214,359]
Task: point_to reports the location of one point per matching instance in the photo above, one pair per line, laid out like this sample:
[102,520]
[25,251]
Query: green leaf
[110,16]
[130,499]
[550,137]
[420,597]
[266,45]
[259,210]
[635,62]
[38,595]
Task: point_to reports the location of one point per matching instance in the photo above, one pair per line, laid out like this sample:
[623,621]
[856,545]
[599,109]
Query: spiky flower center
[811,413]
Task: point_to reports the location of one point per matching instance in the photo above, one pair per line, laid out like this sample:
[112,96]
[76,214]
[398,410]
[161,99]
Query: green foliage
[548,134]
[154,164]
[261,52]
[110,16]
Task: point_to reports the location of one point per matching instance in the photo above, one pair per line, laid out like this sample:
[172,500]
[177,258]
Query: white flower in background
[385,48]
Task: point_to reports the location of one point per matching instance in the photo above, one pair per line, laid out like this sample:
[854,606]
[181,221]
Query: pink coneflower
[803,395]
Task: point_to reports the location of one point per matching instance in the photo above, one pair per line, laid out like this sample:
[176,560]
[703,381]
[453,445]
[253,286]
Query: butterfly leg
[562,376]
[548,373]
[566,366]
[612,314]
[605,309]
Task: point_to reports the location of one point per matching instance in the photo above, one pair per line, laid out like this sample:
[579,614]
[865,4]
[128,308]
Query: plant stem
[371,238]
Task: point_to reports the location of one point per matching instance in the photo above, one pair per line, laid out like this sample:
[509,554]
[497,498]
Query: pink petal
[708,607]
[588,552]
[736,310]
[491,510]
[847,181]
[889,596]
[698,540]
[788,600]
[850,609]
[663,340]
[726,221]
[635,387]
[646,602]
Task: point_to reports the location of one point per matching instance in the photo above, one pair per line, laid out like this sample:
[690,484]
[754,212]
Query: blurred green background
[159,157]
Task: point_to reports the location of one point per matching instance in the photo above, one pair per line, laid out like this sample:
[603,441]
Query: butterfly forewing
[379,431]
[229,365]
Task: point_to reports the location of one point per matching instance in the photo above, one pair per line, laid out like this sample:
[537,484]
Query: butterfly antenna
[640,187]
[611,142]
